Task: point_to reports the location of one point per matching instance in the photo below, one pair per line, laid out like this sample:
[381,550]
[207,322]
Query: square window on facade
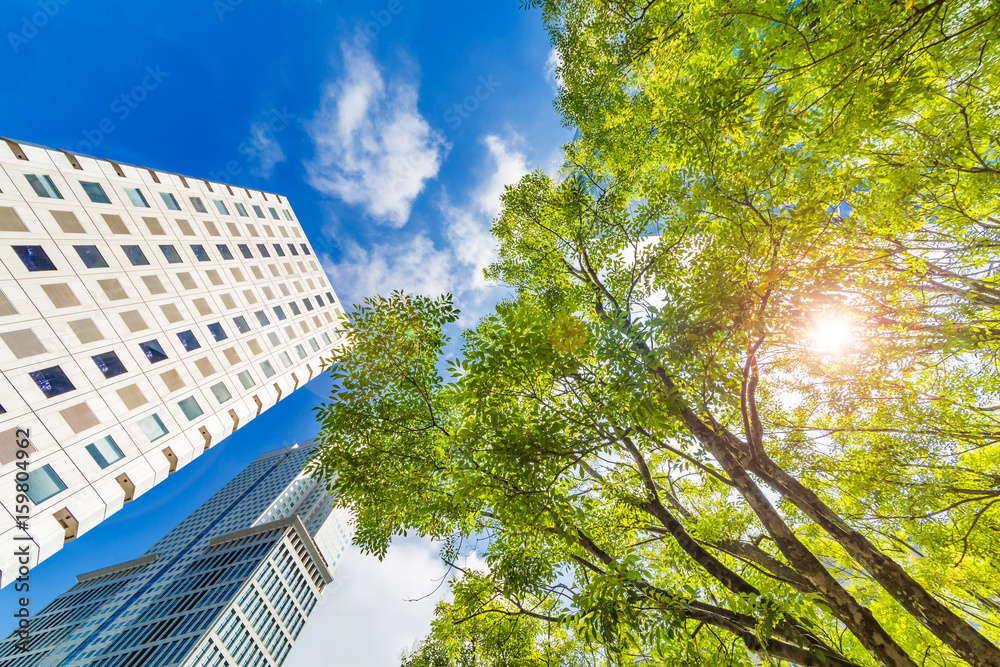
[115,223]
[213,276]
[67,221]
[34,258]
[257,272]
[291,248]
[218,333]
[43,186]
[153,351]
[295,308]
[187,282]
[185,227]
[200,253]
[136,197]
[170,201]
[95,192]
[154,285]
[133,320]
[314,344]
[105,451]
[278,249]
[326,339]
[262,318]
[23,343]
[52,381]
[288,215]
[241,324]
[44,483]
[171,312]
[301,351]
[220,206]
[198,205]
[237,275]
[152,427]
[221,393]
[273,337]
[319,300]
[274,213]
[245,250]
[91,256]
[307,303]
[279,313]
[329,297]
[305,249]
[86,331]
[171,255]
[267,368]
[256,210]
[224,251]
[109,364]
[135,255]
[189,406]
[188,341]
[227,301]
[242,211]
[60,295]
[113,289]
[285,359]
[154,226]
[262,249]
[246,379]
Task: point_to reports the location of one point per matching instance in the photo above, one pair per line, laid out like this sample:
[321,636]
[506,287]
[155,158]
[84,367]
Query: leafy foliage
[745,402]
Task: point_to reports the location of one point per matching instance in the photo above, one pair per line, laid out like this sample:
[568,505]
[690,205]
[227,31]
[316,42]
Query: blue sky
[390,125]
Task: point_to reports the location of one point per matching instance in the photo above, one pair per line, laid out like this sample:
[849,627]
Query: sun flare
[831,335]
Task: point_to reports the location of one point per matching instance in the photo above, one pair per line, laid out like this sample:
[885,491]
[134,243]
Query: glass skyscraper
[232,584]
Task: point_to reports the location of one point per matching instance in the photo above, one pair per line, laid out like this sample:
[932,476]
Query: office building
[232,584]
[143,317]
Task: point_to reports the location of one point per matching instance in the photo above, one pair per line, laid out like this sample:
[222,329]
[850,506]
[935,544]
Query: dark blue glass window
[95,192]
[224,251]
[305,249]
[170,253]
[245,249]
[262,249]
[135,255]
[241,324]
[188,340]
[256,209]
[52,381]
[277,249]
[262,318]
[295,308]
[200,252]
[109,364]
[279,313]
[319,300]
[153,351]
[91,256]
[34,258]
[291,247]
[329,296]
[308,303]
[218,333]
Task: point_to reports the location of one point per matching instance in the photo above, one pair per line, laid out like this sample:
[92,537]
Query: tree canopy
[743,403]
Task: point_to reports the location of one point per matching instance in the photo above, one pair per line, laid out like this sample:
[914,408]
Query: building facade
[232,584]
[143,317]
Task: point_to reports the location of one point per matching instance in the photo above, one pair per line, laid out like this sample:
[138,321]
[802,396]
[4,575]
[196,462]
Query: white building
[143,317]
[232,584]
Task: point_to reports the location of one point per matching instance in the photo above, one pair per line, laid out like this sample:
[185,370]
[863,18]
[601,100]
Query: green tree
[745,399]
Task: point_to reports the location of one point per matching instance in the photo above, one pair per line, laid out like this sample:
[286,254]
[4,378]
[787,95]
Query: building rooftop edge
[129,164]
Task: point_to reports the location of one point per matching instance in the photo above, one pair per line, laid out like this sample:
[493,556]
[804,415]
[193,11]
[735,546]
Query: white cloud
[373,147]
[373,610]
[552,65]
[415,264]
[265,148]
